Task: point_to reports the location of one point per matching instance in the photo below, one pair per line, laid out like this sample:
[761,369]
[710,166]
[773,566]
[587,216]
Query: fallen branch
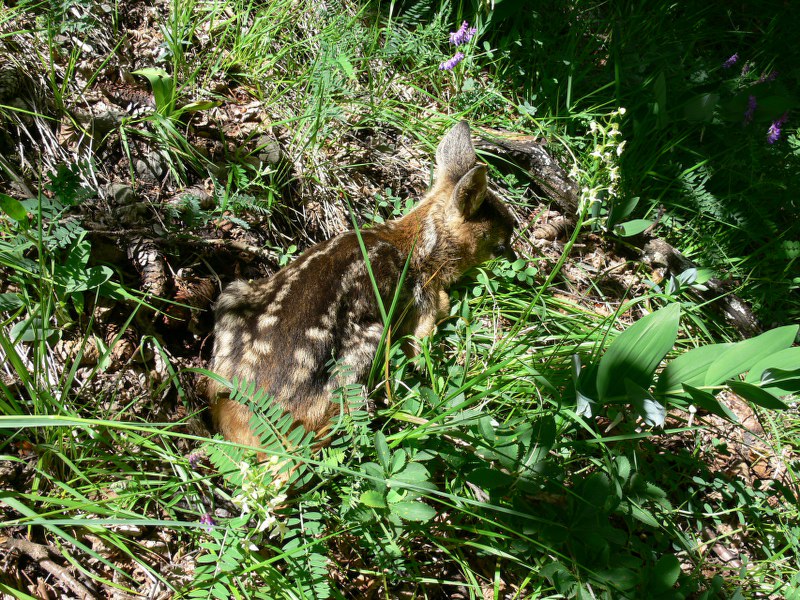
[41,554]
[531,154]
[658,253]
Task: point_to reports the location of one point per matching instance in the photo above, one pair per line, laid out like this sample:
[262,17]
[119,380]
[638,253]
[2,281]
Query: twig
[41,554]
[657,252]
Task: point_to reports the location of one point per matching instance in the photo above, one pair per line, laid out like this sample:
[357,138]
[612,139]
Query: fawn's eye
[500,250]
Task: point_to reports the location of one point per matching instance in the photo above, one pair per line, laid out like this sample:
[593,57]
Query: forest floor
[96,157]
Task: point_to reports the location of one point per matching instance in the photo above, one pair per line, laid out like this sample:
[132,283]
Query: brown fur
[282,331]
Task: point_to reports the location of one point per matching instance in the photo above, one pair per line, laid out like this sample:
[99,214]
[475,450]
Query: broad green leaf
[200,105]
[413,511]
[31,330]
[622,209]
[585,379]
[653,413]
[88,280]
[394,496]
[645,516]
[561,579]
[701,107]
[630,228]
[382,450]
[756,395]
[79,255]
[785,360]
[620,578]
[220,592]
[666,572]
[163,88]
[398,461]
[543,435]
[372,470]
[744,355]
[14,209]
[689,368]
[780,382]
[413,472]
[9,302]
[596,489]
[623,467]
[373,499]
[637,351]
[487,429]
[489,478]
[583,593]
[708,402]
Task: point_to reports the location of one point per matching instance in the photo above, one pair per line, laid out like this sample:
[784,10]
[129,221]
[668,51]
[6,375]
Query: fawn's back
[282,332]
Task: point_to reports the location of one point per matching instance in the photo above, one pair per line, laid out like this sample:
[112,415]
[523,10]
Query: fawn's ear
[469,192]
[455,155]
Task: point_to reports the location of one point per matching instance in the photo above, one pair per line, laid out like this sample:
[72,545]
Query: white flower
[621,147]
[270,521]
[280,528]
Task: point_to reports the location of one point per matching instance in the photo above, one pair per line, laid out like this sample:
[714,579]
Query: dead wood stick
[658,253]
[531,154]
[41,554]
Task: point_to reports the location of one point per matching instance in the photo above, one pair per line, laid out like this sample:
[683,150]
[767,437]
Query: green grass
[489,467]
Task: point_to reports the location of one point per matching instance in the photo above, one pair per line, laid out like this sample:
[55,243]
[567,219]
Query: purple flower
[751,109]
[207,521]
[194,460]
[463,35]
[771,76]
[452,62]
[746,68]
[731,61]
[774,131]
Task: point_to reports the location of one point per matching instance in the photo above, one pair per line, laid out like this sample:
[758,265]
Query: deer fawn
[281,332]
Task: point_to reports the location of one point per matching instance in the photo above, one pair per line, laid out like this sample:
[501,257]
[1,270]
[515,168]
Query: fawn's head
[465,224]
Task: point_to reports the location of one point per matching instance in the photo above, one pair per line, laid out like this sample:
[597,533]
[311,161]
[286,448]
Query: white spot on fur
[317,334]
[304,358]
[261,346]
[284,291]
[428,239]
[267,321]
[224,340]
